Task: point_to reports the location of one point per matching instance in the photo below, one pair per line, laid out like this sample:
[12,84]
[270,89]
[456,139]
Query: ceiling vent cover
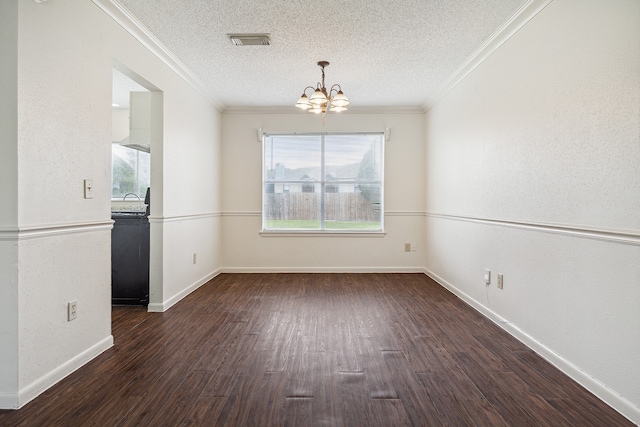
[250,39]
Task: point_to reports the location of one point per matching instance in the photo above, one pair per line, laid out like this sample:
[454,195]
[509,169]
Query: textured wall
[8,113]
[57,247]
[246,249]
[547,126]
[532,171]
[9,197]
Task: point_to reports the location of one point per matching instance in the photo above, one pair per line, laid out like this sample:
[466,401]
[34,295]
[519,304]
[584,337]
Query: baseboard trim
[168,303]
[33,390]
[610,397]
[323,270]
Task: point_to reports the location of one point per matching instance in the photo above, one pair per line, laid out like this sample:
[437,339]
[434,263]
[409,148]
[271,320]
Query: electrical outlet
[487,277]
[195,258]
[407,247]
[500,281]
[414,247]
[72,310]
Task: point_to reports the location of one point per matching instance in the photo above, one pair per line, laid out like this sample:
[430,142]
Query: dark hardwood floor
[316,350]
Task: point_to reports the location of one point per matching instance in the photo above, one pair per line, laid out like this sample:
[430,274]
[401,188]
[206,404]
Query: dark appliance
[130,249]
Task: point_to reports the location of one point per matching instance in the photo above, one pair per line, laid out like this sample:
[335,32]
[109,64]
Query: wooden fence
[306,206]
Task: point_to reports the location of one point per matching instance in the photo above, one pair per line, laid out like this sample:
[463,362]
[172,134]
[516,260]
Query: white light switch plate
[88,189]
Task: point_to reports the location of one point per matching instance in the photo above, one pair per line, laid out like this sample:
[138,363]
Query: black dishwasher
[130,259]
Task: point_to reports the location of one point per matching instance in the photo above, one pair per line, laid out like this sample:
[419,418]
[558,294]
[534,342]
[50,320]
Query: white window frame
[321,184]
[137,174]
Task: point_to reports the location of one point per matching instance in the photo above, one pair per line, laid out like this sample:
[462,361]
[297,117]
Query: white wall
[55,245]
[190,205]
[246,250]
[9,197]
[533,171]
[8,113]
[119,124]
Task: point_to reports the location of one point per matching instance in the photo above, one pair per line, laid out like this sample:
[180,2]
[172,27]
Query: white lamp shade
[303,102]
[318,98]
[340,100]
[337,109]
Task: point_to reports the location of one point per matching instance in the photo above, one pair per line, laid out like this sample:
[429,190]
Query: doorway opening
[136,189]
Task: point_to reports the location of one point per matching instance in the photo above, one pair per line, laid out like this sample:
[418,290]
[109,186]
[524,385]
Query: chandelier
[321,100]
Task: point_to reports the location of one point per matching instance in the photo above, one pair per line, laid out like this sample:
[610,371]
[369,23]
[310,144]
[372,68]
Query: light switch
[88,189]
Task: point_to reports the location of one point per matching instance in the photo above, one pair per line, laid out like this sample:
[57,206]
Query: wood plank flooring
[314,350]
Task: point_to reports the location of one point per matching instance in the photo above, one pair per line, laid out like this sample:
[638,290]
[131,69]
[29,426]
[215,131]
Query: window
[328,182]
[330,188]
[130,171]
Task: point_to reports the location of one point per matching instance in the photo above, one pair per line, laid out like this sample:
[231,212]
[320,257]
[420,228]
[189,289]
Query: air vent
[250,39]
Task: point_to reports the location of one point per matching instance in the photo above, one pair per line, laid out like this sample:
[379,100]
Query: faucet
[139,200]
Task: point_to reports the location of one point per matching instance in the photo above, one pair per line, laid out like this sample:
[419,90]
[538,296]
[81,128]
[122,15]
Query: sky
[303,151]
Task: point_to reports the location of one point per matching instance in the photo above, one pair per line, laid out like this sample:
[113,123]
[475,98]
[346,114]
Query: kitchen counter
[127,214]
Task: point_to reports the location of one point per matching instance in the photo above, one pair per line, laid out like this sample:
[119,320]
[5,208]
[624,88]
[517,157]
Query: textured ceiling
[384,53]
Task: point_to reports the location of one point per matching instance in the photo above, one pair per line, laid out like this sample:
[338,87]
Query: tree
[123,179]
[369,171]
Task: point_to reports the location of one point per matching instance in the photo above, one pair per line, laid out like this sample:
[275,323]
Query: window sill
[375,234]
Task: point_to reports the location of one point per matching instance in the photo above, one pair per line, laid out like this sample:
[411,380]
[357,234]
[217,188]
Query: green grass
[310,224]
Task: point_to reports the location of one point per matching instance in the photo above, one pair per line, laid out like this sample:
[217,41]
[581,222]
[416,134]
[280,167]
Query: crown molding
[507,30]
[133,26]
[352,110]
